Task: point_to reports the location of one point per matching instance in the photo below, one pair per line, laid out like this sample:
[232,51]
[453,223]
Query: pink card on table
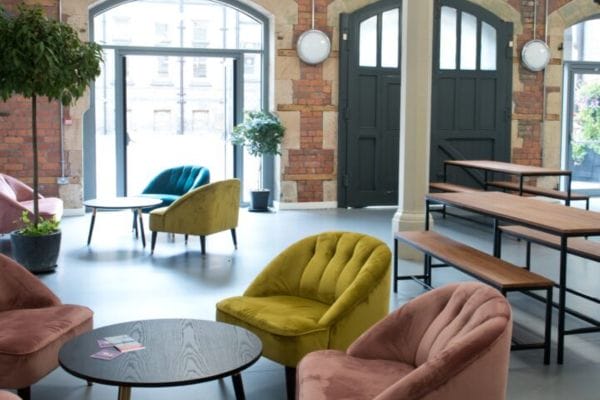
[106,354]
[103,343]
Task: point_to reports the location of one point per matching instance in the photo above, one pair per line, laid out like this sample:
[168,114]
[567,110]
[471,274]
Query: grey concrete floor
[121,281]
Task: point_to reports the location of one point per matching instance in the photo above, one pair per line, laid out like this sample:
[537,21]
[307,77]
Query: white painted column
[415,117]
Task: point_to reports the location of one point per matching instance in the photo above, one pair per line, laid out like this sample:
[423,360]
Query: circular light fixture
[535,55]
[313,46]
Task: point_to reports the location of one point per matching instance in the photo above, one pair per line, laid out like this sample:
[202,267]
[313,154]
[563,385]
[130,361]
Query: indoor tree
[43,57]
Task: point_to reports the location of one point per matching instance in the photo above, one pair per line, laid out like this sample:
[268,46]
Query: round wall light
[313,46]
[535,55]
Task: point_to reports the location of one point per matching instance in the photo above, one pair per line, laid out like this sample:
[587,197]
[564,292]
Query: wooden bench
[451,187]
[555,194]
[491,270]
[577,246]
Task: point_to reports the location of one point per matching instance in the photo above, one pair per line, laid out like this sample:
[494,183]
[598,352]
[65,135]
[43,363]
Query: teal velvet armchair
[174,182]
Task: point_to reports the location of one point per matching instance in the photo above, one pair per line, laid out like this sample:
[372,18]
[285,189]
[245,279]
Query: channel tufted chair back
[322,292]
[450,343]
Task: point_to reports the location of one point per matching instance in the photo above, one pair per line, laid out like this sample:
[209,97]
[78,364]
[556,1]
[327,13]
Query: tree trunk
[36,212]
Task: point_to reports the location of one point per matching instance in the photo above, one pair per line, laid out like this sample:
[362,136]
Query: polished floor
[121,281]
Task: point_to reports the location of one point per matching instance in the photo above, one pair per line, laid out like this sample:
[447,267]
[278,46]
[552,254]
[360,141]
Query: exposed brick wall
[15,130]
[311,165]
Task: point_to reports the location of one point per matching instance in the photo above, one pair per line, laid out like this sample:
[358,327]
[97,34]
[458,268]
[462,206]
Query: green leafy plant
[43,227]
[587,119]
[261,133]
[42,57]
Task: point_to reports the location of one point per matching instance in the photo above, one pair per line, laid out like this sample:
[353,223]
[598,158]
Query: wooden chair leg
[290,382]
[203,244]
[24,393]
[233,236]
[153,242]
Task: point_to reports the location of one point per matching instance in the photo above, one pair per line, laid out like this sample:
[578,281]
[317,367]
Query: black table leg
[238,387]
[91,226]
[497,239]
[139,212]
[562,300]
[395,265]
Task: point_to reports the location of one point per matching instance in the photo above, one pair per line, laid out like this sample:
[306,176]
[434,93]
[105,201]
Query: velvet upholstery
[5,395]
[34,324]
[203,211]
[320,293]
[452,343]
[173,183]
[16,197]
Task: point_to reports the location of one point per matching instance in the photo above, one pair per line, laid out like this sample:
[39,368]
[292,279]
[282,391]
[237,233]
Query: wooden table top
[549,217]
[177,352]
[508,168]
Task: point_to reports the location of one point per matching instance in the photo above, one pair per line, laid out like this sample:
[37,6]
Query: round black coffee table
[136,204]
[177,352]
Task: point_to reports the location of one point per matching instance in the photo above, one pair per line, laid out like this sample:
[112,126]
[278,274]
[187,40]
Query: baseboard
[74,212]
[321,205]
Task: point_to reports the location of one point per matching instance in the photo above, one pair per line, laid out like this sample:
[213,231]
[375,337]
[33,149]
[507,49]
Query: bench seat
[577,246]
[530,189]
[451,187]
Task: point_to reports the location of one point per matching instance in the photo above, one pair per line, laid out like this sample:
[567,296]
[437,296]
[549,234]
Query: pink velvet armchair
[16,197]
[452,343]
[34,324]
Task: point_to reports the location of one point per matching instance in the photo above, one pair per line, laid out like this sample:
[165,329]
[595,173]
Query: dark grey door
[471,88]
[369,119]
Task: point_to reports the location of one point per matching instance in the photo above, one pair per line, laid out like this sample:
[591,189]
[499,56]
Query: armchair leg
[290,382]
[24,393]
[186,238]
[153,242]
[203,244]
[234,238]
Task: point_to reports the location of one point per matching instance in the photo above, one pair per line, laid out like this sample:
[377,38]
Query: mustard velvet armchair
[203,211]
[322,292]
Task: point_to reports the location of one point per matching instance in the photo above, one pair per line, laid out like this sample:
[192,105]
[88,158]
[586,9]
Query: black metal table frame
[521,175]
[562,286]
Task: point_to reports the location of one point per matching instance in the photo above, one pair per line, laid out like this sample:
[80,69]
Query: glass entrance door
[583,127]
[180,111]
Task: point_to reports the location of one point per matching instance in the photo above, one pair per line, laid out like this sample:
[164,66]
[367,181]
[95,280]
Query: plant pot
[259,200]
[36,253]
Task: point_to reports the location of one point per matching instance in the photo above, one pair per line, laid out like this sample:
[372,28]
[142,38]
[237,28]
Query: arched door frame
[89,120]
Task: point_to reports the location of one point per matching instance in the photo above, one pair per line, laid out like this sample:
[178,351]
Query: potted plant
[42,57]
[261,133]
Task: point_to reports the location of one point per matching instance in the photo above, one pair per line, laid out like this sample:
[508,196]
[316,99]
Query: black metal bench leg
[290,382]
[395,265]
[548,328]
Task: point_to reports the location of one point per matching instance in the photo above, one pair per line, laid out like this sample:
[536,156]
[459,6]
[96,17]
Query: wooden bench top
[483,266]
[558,194]
[577,246]
[451,187]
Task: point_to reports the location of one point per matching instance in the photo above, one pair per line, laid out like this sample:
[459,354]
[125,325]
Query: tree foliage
[587,119]
[261,133]
[44,57]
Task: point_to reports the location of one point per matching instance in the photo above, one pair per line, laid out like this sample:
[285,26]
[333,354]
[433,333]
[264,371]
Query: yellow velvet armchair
[203,211]
[322,292]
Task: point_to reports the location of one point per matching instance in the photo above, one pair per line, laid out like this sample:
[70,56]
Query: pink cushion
[4,395]
[6,189]
[333,375]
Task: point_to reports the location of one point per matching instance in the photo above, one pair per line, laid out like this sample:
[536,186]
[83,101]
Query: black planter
[259,200]
[36,253]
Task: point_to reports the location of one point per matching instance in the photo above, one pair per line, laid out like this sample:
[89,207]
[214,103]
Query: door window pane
[488,47]
[390,38]
[368,43]
[448,38]
[468,41]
